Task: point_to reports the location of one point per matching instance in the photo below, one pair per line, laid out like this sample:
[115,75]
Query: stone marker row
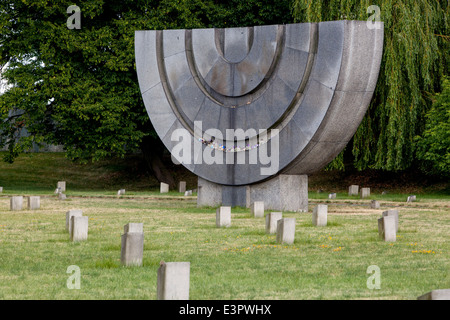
[388,226]
[164,188]
[33,203]
[132,245]
[77,225]
[353,190]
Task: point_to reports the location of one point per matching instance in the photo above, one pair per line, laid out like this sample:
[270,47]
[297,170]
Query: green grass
[240,262]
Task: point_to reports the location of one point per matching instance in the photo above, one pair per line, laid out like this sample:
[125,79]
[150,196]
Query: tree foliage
[434,144]
[78,88]
[416,55]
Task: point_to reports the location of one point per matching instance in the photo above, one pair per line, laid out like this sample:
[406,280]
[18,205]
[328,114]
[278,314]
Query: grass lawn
[240,262]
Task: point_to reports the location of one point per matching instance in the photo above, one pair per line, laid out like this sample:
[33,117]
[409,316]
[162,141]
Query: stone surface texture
[272,222]
[79,228]
[312,82]
[164,188]
[386,229]
[173,281]
[16,203]
[286,230]
[69,215]
[319,215]
[34,202]
[439,294]
[223,217]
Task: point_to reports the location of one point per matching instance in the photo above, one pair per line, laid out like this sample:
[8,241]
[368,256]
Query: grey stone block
[353,190]
[34,202]
[439,294]
[392,213]
[1,189]
[319,216]
[332,196]
[375,204]
[132,249]
[223,217]
[62,196]
[209,194]
[272,222]
[365,192]
[283,193]
[286,230]
[69,215]
[79,228]
[182,186]
[173,281]
[164,188]
[61,185]
[386,229]
[121,192]
[411,199]
[234,196]
[257,209]
[311,81]
[16,203]
[133,227]
[188,193]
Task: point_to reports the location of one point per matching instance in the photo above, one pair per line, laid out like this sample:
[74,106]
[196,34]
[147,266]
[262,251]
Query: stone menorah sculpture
[253,111]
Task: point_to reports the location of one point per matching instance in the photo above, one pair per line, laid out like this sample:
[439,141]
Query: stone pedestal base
[281,193]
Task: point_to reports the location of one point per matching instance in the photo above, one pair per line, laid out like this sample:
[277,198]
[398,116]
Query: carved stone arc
[311,81]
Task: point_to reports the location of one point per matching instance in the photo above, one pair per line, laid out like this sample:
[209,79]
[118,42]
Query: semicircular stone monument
[253,111]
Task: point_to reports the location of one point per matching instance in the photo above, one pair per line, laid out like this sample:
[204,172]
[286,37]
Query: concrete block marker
[286,230]
[332,196]
[16,203]
[133,227]
[61,185]
[69,215]
[353,190]
[164,188]
[257,209]
[272,222]
[375,204]
[34,202]
[79,229]
[411,198]
[1,189]
[319,215]
[392,213]
[188,193]
[223,217]
[173,281]
[132,245]
[365,192]
[439,294]
[121,192]
[62,196]
[182,186]
[386,229]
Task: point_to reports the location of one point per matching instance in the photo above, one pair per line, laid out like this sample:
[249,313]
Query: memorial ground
[239,262]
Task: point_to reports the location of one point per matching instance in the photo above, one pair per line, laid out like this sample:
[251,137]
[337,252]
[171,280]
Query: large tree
[416,56]
[78,87]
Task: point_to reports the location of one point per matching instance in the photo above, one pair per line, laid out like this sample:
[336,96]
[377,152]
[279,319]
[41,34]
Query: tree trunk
[153,151]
